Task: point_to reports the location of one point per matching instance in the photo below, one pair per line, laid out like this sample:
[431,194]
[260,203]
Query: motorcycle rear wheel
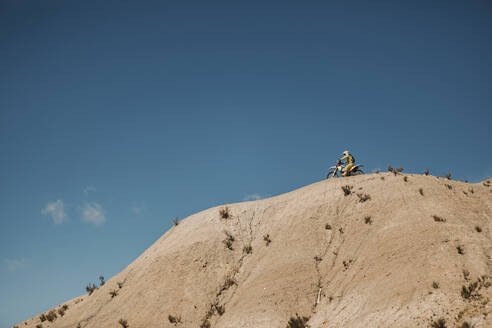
[332,173]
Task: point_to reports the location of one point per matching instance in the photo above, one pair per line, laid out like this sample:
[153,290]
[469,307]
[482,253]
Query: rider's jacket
[350,159]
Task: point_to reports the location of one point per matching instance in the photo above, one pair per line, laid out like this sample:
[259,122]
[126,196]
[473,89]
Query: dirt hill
[388,251]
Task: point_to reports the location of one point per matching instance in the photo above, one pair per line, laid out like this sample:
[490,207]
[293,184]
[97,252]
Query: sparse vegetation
[297,322]
[113,293]
[466,275]
[90,288]
[51,316]
[123,323]
[248,249]
[448,176]
[39,326]
[318,258]
[438,218]
[229,240]
[174,319]
[120,284]
[468,292]
[205,324]
[465,325]
[478,229]
[101,279]
[435,285]
[61,312]
[267,239]
[347,190]
[426,172]
[363,197]
[421,191]
[228,283]
[42,317]
[395,171]
[224,213]
[327,226]
[405,179]
[176,221]
[439,323]
[450,187]
[220,309]
[368,220]
[460,249]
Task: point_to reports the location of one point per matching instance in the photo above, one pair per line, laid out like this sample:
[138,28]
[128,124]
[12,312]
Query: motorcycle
[334,171]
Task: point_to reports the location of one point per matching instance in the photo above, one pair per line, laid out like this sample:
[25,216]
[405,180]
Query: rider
[350,162]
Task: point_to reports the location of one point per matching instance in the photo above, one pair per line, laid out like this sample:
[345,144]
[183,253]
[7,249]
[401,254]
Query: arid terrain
[377,250]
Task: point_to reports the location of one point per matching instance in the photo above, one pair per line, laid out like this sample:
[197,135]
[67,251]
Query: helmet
[346,152]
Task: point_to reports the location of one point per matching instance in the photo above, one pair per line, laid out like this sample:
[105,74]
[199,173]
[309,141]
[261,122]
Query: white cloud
[56,210]
[93,213]
[14,265]
[248,198]
[88,189]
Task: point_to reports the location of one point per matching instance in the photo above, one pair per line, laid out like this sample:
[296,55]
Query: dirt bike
[338,169]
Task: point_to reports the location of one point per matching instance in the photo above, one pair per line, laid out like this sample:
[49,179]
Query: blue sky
[117,116]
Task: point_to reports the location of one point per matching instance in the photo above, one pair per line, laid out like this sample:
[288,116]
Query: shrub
[426,172]
[39,326]
[65,307]
[439,323]
[363,197]
[368,220]
[248,249]
[467,292]
[220,309]
[123,323]
[267,239]
[448,186]
[438,218]
[448,176]
[421,191]
[347,190]
[205,324]
[460,250]
[90,288]
[61,312]
[101,279]
[327,226]
[228,283]
[465,325]
[435,285]
[176,221]
[466,274]
[395,171]
[297,322]
[174,319]
[224,213]
[51,316]
[42,317]
[390,169]
[405,179]
[113,293]
[478,229]
[318,258]
[120,284]
[229,240]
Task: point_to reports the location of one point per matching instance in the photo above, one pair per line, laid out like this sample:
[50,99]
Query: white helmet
[346,152]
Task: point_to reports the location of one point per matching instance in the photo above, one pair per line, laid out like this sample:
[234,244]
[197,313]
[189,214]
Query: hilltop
[377,250]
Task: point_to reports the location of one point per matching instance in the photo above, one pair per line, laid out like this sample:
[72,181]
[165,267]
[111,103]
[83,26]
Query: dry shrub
[438,218]
[363,197]
[267,239]
[123,323]
[297,322]
[224,213]
[229,240]
[347,190]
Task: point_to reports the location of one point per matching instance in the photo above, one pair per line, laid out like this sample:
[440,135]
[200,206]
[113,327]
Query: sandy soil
[414,252]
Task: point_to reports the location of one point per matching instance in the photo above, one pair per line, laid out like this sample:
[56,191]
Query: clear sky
[117,116]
